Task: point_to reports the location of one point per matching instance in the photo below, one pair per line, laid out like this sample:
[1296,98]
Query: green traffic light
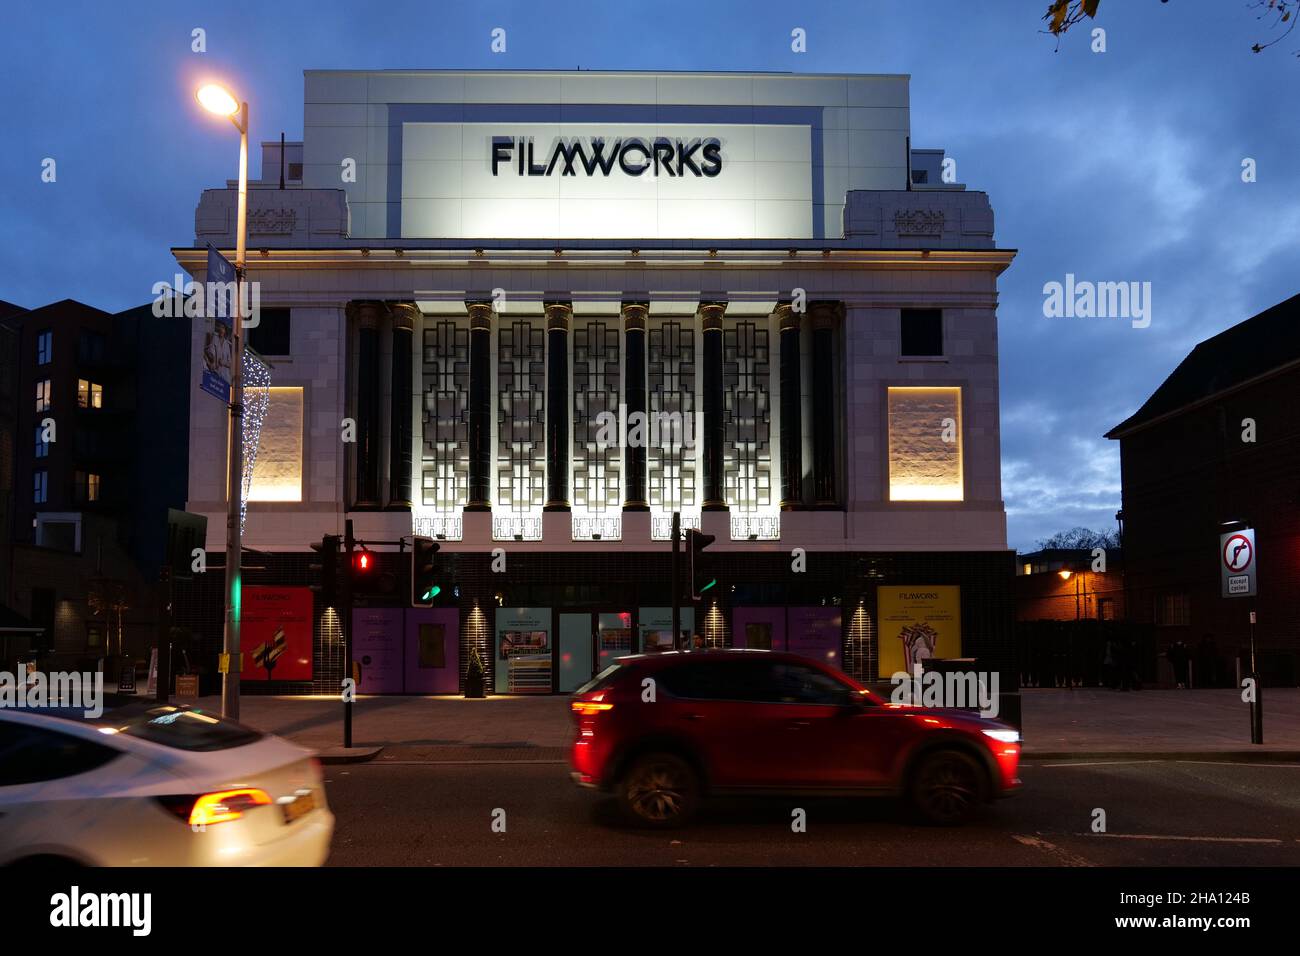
[432,593]
[709,585]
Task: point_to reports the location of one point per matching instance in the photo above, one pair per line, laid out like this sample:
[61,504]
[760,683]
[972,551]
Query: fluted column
[711,314]
[479,496]
[366,317]
[406,317]
[634,392]
[558,315]
[791,409]
[825,319]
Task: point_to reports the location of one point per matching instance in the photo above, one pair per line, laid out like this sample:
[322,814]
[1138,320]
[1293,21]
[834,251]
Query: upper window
[922,332]
[90,346]
[43,395]
[925,453]
[40,487]
[44,347]
[42,446]
[271,334]
[89,394]
[87,486]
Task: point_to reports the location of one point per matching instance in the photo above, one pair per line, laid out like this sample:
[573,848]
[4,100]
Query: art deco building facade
[533,315]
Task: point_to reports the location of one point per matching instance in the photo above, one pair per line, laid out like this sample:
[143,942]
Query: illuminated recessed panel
[277,470]
[925,456]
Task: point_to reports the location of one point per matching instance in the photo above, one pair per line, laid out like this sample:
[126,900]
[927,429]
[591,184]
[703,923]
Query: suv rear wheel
[659,790]
[947,788]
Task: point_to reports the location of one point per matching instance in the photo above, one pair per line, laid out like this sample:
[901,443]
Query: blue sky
[1123,165]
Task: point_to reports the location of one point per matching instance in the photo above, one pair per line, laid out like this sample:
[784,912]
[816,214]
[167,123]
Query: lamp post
[217,99]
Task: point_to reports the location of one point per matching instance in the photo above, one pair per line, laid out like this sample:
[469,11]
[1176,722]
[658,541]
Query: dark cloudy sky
[1119,166]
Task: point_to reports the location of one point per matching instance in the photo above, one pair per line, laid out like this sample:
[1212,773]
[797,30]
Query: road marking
[1064,856]
[1241,763]
[1190,839]
[1096,763]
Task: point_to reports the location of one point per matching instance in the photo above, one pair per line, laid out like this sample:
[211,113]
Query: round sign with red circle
[1238,553]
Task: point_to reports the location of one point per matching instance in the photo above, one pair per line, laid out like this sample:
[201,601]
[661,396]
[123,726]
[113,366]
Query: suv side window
[34,754]
[800,684]
[717,680]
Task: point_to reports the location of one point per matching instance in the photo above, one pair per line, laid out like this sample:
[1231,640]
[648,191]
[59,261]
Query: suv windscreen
[601,680]
[182,728]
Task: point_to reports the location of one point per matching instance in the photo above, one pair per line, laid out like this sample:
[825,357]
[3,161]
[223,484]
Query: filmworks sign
[595,155]
[608,180]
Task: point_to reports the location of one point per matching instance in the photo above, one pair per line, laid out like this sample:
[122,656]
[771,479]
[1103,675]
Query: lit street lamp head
[217,99]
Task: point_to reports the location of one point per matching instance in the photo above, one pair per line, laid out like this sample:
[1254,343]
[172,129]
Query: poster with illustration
[917,623]
[275,633]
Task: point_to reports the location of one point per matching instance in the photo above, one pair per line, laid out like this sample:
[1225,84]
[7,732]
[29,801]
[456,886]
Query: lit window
[277,470]
[89,394]
[87,485]
[43,396]
[925,454]
[44,347]
[42,446]
[41,487]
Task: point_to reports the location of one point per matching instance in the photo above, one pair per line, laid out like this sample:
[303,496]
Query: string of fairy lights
[257,398]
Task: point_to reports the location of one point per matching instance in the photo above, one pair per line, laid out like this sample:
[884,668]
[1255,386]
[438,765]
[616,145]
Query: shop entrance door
[589,642]
[575,651]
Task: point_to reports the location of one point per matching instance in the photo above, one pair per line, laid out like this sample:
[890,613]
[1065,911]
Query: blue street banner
[218,341]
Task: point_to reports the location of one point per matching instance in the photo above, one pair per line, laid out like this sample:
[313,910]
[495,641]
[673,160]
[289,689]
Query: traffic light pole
[676,582]
[349,543]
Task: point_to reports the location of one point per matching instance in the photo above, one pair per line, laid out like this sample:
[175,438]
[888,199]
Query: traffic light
[363,566]
[424,585]
[701,580]
[327,570]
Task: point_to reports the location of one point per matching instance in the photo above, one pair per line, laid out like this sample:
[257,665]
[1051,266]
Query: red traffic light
[362,561]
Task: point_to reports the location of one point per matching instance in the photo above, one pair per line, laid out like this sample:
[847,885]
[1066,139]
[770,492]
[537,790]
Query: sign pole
[1257,704]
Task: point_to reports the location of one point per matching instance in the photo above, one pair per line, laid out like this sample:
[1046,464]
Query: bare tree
[1080,539]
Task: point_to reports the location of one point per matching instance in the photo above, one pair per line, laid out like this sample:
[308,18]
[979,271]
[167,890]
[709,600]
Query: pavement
[1057,724]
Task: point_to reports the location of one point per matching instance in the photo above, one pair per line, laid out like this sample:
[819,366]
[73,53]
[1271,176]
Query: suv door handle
[798,724]
[692,716]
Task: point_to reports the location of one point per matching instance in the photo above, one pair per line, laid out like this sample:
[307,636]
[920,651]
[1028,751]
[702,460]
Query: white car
[157,785]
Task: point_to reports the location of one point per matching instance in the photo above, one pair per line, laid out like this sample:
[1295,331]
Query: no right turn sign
[1237,563]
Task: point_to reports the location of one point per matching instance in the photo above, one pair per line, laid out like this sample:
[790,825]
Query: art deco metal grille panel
[747,443]
[597,451]
[671,378]
[444,416]
[521,421]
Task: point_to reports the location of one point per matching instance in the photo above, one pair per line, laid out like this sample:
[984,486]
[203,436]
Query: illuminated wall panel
[444,416]
[925,454]
[277,470]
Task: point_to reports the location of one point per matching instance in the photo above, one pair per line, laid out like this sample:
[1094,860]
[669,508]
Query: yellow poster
[917,623]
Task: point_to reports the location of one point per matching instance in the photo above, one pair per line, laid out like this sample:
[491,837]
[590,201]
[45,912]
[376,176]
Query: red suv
[662,730]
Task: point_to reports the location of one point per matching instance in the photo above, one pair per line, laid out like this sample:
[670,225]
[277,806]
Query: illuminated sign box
[606,181]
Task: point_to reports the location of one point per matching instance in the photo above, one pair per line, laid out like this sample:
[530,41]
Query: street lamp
[220,101]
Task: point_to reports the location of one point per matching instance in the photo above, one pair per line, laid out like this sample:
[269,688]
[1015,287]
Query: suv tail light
[221,806]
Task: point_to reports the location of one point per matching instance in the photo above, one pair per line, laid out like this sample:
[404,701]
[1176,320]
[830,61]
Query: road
[1195,813]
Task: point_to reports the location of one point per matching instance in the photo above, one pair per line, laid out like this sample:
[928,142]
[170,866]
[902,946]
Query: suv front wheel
[947,788]
[659,790]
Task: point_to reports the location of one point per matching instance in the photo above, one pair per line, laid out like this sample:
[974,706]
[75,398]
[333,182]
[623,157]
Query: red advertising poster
[275,634]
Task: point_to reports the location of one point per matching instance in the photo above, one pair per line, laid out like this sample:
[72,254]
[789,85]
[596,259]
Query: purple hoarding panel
[815,632]
[377,648]
[432,650]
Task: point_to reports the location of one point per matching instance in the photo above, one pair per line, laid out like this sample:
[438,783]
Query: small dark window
[33,754]
[920,177]
[922,332]
[271,334]
[295,172]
